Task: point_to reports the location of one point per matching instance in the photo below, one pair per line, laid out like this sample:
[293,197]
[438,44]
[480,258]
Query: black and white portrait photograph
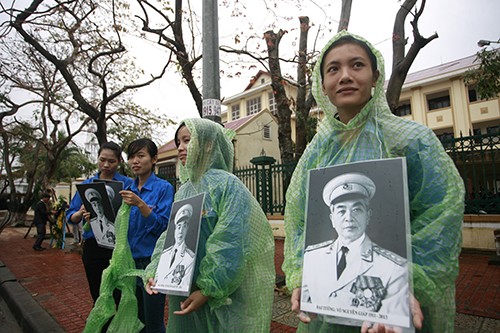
[113,187]
[96,200]
[176,266]
[357,243]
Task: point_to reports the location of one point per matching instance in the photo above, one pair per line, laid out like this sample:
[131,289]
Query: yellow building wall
[250,141]
[461,116]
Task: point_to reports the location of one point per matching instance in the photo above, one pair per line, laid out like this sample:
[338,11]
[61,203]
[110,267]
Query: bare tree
[401,61]
[74,36]
[345,15]
[170,35]
[282,102]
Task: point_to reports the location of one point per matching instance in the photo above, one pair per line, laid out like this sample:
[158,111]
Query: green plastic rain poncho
[235,258]
[436,195]
[120,274]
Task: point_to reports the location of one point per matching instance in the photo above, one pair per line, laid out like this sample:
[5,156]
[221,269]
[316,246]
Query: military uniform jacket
[104,230]
[320,285]
[180,270]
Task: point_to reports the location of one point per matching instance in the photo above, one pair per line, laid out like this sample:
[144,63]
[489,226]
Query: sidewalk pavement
[47,291]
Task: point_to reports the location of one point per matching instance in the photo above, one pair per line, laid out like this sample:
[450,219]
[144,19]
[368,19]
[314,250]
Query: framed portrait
[176,267]
[96,200]
[357,251]
[113,187]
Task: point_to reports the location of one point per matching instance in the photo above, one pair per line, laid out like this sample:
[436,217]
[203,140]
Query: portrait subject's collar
[352,245]
[181,248]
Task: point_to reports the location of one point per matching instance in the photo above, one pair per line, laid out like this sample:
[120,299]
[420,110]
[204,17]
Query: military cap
[92,194]
[184,213]
[349,183]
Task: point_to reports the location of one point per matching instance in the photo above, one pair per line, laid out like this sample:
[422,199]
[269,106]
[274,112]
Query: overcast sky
[459,24]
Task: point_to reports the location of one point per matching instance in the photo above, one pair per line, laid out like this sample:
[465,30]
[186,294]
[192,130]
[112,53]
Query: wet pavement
[47,291]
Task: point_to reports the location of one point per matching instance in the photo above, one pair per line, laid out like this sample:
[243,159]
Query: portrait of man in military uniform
[178,259]
[351,272]
[176,265]
[96,199]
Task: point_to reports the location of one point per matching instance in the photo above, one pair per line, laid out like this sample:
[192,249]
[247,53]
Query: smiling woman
[358,126]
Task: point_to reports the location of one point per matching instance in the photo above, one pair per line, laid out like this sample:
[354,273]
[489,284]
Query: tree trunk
[301,110]
[401,63]
[282,102]
[345,15]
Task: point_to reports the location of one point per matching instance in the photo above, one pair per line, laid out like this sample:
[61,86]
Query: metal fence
[476,157]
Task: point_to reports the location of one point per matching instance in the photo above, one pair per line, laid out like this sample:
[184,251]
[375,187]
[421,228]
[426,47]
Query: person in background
[233,283]
[77,229]
[151,200]
[95,258]
[40,220]
[348,85]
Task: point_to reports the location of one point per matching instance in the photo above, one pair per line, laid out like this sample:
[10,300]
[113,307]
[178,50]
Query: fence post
[263,179]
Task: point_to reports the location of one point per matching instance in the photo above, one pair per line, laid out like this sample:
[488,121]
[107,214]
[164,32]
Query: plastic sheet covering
[120,274]
[235,258]
[435,188]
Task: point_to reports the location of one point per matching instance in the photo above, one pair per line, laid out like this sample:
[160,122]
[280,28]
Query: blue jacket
[143,232]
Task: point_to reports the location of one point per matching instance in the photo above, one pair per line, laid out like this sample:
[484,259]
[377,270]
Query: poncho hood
[210,147]
[377,102]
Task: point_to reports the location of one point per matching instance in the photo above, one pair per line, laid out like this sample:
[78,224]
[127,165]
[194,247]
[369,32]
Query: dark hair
[351,40]
[117,150]
[134,147]
[45,195]
[177,143]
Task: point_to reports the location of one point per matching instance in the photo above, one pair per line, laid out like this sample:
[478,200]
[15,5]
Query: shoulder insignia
[397,259]
[168,249]
[319,245]
[190,252]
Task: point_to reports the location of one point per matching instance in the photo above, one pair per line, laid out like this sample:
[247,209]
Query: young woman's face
[183,137]
[108,162]
[348,77]
[141,162]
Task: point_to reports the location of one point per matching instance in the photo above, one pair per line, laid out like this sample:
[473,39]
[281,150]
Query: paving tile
[56,279]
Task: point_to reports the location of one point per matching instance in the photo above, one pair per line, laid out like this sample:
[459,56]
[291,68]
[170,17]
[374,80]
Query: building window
[253,105]
[446,139]
[493,130]
[473,95]
[167,171]
[235,112]
[266,132]
[272,103]
[438,101]
[403,109]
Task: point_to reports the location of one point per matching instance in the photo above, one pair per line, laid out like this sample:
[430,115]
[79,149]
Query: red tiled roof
[236,124]
[254,79]
[167,146]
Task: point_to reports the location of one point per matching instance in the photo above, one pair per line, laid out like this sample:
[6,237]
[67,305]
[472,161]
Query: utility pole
[211,81]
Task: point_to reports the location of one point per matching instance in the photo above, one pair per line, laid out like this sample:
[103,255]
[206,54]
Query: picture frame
[96,200]
[176,266]
[364,205]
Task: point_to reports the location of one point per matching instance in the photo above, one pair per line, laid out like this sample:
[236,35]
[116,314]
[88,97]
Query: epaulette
[168,249]
[389,255]
[319,245]
[189,251]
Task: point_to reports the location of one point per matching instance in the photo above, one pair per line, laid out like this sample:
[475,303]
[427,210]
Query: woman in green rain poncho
[233,282]
[348,84]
